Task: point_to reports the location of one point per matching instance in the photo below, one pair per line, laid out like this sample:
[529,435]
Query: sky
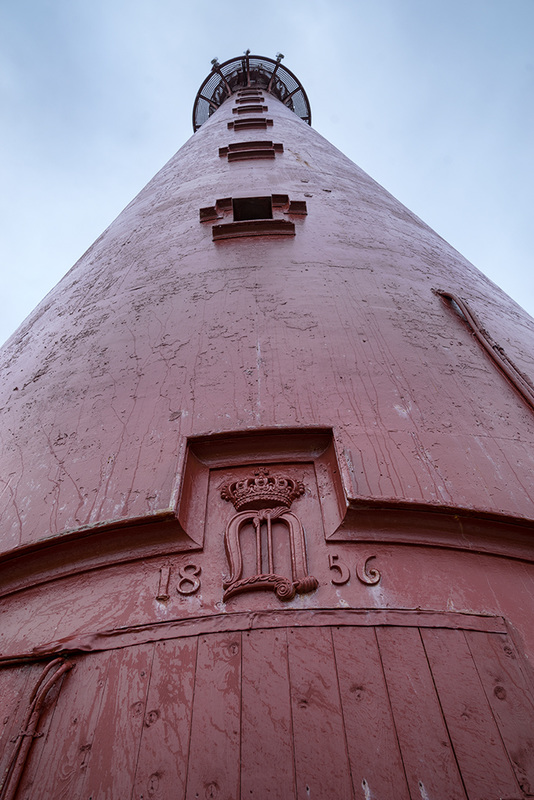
[433,98]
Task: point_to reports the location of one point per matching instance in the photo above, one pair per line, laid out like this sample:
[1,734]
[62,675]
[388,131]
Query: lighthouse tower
[267,516]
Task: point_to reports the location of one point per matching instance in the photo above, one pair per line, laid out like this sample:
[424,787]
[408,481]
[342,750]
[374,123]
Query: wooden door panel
[426,749]
[509,694]
[65,754]
[29,786]
[375,759]
[164,747]
[267,768]
[214,758]
[321,759]
[483,762]
[16,684]
[351,712]
[118,730]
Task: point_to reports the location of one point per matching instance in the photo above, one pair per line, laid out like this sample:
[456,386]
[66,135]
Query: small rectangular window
[256,97]
[249,109]
[248,123]
[252,208]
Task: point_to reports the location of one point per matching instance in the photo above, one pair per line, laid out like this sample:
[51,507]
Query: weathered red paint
[367,635]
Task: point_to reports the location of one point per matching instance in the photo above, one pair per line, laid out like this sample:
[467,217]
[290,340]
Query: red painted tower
[267,501]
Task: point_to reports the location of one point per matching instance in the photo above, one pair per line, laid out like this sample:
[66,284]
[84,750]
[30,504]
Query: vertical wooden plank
[321,760]
[62,767]
[214,756]
[111,768]
[28,786]
[266,727]
[510,697]
[426,750]
[16,684]
[162,767]
[375,760]
[484,765]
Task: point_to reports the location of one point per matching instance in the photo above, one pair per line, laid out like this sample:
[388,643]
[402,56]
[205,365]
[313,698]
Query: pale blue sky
[434,98]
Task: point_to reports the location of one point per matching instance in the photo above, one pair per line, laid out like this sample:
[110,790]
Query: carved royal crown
[262,491]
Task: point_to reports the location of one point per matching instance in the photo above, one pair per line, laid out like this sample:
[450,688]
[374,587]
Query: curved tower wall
[188,352]
[159,333]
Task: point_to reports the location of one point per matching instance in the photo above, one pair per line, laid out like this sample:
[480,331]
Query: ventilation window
[252,208]
[254,216]
[241,151]
[247,124]
[258,98]
[255,109]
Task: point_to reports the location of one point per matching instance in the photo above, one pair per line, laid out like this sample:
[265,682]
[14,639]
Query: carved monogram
[259,500]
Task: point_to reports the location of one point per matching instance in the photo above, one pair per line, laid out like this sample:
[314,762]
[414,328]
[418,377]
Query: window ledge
[253,227]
